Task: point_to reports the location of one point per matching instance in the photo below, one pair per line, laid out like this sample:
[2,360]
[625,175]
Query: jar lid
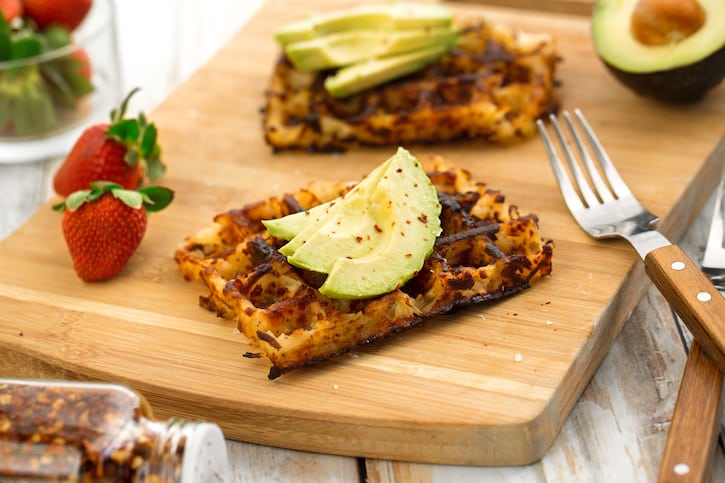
[205,455]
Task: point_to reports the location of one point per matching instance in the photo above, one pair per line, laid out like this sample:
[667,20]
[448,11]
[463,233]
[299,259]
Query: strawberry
[103,226]
[69,13]
[83,63]
[124,152]
[10,9]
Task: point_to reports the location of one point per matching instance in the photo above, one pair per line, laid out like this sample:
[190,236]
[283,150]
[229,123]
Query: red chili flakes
[78,434]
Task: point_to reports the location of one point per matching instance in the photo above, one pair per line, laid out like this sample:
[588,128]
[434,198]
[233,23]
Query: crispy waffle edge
[487,251]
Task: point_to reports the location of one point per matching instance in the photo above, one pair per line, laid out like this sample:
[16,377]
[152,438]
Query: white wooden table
[617,430]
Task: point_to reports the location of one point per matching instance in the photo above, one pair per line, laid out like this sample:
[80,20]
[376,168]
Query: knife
[692,437]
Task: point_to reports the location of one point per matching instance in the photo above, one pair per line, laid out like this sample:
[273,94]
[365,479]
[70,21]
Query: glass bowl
[43,110]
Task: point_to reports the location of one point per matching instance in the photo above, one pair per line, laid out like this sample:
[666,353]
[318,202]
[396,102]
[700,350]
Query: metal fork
[609,209]
[604,206]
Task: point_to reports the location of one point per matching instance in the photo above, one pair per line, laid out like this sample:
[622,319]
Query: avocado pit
[660,22]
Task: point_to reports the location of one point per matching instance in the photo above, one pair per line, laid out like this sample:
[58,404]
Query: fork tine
[590,199]
[600,187]
[570,195]
[619,187]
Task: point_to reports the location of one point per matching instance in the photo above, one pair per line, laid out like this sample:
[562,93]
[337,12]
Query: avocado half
[681,71]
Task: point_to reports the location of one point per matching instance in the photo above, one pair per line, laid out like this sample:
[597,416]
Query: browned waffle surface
[493,85]
[485,251]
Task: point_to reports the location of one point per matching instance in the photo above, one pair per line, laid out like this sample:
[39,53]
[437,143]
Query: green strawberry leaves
[156,198]
[25,47]
[21,40]
[139,137]
[5,38]
[152,198]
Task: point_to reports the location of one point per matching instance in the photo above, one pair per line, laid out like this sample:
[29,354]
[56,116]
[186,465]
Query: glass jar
[76,431]
[47,121]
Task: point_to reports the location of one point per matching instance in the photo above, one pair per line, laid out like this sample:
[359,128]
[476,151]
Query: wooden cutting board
[490,385]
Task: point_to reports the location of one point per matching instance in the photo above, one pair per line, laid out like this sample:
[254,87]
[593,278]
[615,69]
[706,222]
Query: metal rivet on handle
[678,266]
[681,468]
[704,297]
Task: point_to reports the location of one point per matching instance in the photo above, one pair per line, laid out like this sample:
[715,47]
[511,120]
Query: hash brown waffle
[486,251]
[493,85]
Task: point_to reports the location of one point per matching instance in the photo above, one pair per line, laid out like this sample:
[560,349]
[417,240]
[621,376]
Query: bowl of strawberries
[58,73]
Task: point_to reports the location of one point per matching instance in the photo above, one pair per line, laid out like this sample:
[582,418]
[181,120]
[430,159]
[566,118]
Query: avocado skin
[684,84]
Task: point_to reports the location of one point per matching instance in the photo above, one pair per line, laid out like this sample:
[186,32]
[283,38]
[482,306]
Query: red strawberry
[103,226]
[83,62]
[11,9]
[69,13]
[122,152]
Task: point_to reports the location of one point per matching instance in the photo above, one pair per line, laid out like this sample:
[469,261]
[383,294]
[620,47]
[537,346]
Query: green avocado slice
[322,217]
[374,238]
[370,73]
[345,48]
[383,16]
[406,211]
[289,226]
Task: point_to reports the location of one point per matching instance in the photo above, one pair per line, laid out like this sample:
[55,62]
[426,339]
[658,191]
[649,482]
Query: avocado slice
[384,16]
[675,55]
[289,226]
[322,215]
[366,74]
[345,48]
[375,237]
[350,229]
[407,211]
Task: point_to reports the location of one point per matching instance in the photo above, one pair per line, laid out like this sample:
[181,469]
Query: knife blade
[692,437]
[713,262]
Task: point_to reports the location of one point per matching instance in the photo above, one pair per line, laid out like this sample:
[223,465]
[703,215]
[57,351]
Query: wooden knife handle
[692,295]
[692,437]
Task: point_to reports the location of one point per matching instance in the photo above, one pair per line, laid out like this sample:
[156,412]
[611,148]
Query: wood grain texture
[576,7]
[449,391]
[692,437]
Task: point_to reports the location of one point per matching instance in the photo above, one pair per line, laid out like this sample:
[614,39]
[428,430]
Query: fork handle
[691,439]
[693,297]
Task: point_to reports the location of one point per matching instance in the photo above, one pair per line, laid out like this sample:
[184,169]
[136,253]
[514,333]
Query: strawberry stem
[139,137]
[120,113]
